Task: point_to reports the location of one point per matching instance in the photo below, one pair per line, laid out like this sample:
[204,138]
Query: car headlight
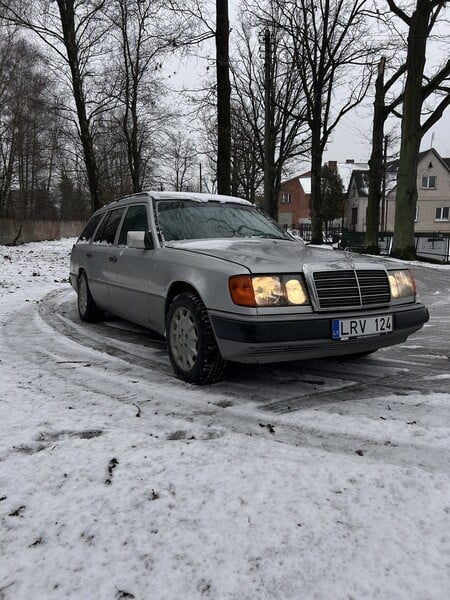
[402,284]
[268,290]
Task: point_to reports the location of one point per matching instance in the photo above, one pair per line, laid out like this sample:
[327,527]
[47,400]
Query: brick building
[293,200]
[295,193]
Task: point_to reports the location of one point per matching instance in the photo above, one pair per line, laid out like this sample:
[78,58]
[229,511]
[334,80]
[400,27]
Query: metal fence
[331,235]
[434,245]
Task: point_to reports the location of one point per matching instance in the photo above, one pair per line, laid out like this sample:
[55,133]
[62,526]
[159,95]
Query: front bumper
[253,340]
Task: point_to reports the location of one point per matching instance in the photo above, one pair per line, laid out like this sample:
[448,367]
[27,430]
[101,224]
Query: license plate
[344,329]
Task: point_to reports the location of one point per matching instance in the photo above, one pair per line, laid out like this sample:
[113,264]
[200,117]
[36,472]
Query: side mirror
[142,240]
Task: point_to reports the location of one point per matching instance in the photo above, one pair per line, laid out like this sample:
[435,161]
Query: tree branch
[435,81]
[399,12]
[437,114]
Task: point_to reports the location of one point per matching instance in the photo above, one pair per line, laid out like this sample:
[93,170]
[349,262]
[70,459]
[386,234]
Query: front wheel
[87,309]
[191,344]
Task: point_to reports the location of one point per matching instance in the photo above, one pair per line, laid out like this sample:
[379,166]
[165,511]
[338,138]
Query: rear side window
[88,231]
[108,229]
[135,220]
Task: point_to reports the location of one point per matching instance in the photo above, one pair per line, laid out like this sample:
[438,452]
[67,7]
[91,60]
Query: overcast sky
[352,137]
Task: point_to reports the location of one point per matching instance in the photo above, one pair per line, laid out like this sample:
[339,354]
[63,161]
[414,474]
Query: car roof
[195,196]
[198,197]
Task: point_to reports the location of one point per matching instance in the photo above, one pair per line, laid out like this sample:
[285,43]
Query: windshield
[191,220]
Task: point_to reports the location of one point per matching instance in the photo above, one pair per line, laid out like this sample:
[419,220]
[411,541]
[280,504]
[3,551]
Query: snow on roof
[305,182]
[196,196]
[345,171]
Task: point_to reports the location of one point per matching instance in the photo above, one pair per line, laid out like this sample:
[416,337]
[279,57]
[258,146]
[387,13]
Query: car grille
[351,289]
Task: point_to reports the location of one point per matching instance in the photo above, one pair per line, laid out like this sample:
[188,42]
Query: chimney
[350,161]
[332,164]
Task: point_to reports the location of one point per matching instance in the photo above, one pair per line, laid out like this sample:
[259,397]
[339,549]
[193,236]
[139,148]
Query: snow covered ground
[315,481]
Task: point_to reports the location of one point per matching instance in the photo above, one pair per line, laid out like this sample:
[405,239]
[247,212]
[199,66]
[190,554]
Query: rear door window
[106,233]
[88,231]
[135,220]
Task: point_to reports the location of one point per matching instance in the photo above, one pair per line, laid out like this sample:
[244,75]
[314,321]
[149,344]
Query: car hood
[266,255]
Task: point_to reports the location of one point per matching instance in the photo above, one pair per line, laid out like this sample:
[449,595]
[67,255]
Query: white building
[433,203]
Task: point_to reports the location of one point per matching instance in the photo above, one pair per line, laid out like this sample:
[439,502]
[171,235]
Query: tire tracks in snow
[126,362]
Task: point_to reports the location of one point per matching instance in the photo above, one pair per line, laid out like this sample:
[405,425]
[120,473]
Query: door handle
[88,255]
[112,259]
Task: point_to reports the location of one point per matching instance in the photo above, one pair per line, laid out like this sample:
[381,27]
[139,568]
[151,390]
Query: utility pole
[383,191]
[375,196]
[384,206]
[223,99]
[269,203]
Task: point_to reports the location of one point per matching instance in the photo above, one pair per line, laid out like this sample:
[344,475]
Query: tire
[87,309]
[191,343]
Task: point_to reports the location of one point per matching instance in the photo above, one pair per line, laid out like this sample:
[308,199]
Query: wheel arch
[176,288]
[191,341]
[78,274]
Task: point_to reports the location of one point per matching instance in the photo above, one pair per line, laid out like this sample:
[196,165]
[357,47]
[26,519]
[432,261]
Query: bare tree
[382,109]
[181,161]
[72,191]
[8,66]
[246,170]
[417,90]
[271,145]
[130,20]
[144,32]
[330,49]
[73,30]
[29,127]
[219,29]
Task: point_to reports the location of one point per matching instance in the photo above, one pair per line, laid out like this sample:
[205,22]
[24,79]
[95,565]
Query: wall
[428,198]
[432,198]
[30,230]
[292,213]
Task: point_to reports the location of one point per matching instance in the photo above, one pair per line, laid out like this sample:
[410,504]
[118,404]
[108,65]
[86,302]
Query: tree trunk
[376,165]
[316,200]
[134,152]
[270,203]
[406,198]
[5,189]
[223,99]
[66,9]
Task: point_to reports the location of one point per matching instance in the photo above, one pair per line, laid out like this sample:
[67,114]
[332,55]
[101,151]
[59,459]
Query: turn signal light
[241,290]
[268,290]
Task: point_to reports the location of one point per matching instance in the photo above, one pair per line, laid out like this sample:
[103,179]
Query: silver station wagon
[223,282]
